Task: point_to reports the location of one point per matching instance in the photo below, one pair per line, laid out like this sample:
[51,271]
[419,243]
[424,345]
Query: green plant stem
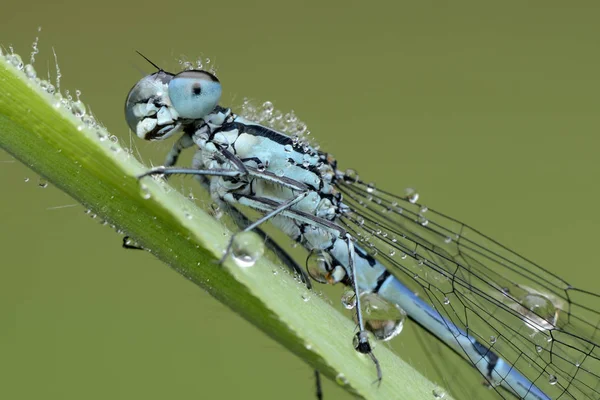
[39,131]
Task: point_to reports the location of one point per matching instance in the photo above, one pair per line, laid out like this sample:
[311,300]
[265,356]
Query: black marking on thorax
[257,130]
[365,256]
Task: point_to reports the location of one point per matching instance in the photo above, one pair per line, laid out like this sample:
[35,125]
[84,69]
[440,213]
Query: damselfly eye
[194,94]
[148,109]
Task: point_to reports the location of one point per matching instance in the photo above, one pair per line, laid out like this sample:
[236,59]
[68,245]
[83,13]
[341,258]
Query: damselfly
[527,331]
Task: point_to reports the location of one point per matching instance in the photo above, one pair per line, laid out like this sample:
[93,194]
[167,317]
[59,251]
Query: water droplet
[247,248]
[89,121]
[341,380]
[305,297]
[216,211]
[538,312]
[30,71]
[446,301]
[42,183]
[15,60]
[493,339]
[351,176]
[538,349]
[26,180]
[552,379]
[145,192]
[261,167]
[78,109]
[349,299]
[383,319]
[411,195]
[102,135]
[438,393]
[370,187]
[288,148]
[320,268]
[448,240]
[268,107]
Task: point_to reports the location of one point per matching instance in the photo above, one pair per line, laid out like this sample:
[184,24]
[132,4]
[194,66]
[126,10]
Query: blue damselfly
[527,331]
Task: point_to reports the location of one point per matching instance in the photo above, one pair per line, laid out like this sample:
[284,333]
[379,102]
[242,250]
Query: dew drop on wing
[539,313]
[411,195]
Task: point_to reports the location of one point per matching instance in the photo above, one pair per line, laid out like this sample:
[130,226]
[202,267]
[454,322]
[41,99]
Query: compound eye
[194,94]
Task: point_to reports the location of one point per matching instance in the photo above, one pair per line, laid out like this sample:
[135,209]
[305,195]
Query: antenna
[151,63]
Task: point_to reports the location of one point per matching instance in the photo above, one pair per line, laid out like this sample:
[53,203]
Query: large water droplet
[247,248]
[320,268]
[383,319]
[552,379]
[538,312]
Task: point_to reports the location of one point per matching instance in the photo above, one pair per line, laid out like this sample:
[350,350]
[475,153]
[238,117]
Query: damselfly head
[148,109]
[161,103]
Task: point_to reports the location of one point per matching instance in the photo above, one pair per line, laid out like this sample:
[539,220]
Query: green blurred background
[490,111]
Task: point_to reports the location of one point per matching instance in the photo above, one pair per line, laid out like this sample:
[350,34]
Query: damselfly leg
[272,209]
